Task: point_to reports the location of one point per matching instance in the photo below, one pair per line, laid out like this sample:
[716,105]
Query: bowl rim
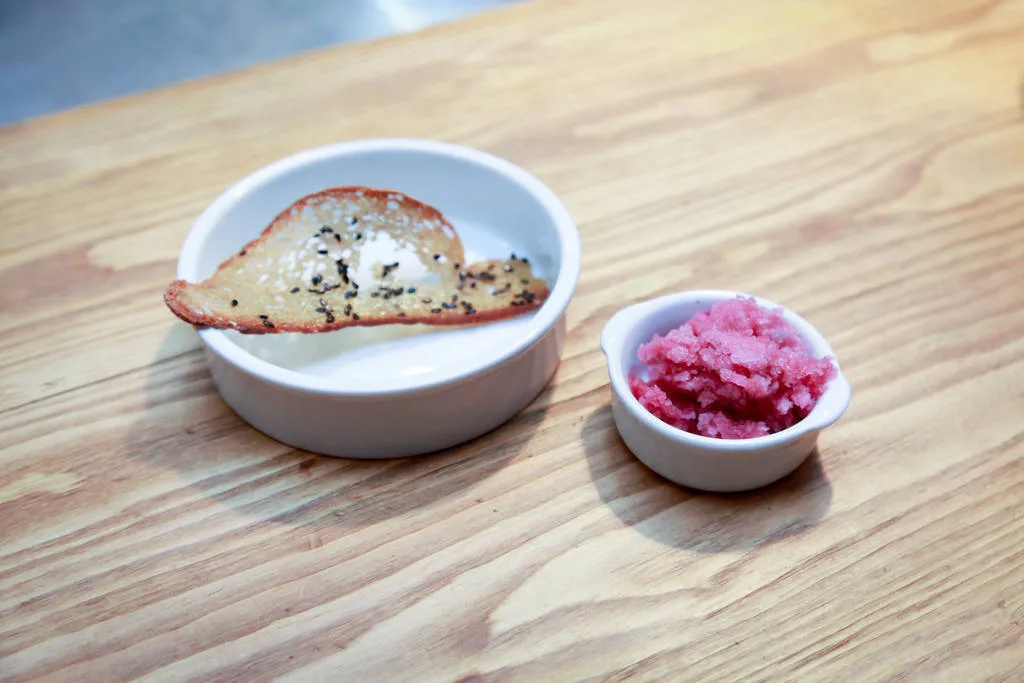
[543,319]
[829,408]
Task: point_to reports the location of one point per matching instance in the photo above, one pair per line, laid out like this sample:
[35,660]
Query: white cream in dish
[359,356]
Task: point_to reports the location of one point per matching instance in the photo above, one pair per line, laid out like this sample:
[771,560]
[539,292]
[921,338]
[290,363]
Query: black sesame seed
[330,317]
[508,268]
[457,265]
[263,316]
[321,251]
[435,310]
[321,310]
[401,314]
[513,256]
[375,294]
[437,257]
[324,230]
[337,237]
[427,299]
[317,279]
[525,260]
[349,294]
[355,316]
[352,220]
[412,290]
[267,323]
[234,302]
[294,290]
[455,297]
[525,281]
[242,253]
[348,309]
[359,235]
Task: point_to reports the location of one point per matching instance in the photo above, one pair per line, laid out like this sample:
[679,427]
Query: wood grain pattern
[861,161]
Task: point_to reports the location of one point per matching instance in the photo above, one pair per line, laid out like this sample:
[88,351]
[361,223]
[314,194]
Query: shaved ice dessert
[736,371]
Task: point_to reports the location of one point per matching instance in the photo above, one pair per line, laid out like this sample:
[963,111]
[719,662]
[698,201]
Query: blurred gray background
[56,54]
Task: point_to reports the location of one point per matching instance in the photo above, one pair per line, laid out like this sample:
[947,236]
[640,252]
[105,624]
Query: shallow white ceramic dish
[395,390]
[696,461]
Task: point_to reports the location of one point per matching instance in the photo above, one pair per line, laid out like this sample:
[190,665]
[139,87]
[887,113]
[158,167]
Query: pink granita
[736,371]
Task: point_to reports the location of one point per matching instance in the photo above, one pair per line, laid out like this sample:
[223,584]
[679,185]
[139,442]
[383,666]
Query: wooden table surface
[861,161]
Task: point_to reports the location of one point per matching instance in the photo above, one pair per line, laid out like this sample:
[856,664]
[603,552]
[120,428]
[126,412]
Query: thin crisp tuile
[355,256]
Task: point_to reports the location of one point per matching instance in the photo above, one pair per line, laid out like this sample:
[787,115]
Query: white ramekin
[404,415]
[702,462]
